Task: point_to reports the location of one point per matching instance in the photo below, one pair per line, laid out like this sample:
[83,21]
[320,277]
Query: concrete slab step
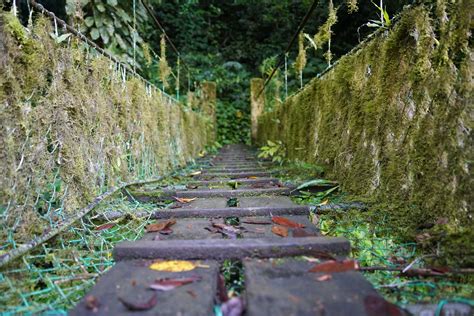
[248,227]
[241,181]
[231,211]
[284,287]
[220,249]
[130,280]
[236,175]
[227,193]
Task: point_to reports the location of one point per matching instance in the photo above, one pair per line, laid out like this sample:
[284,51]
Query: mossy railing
[392,123]
[74,124]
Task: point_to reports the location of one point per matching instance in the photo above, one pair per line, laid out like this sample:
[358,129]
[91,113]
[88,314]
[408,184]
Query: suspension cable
[293,40]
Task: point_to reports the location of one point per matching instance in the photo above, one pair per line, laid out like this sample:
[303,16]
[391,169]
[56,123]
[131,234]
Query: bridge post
[209,100]
[257,104]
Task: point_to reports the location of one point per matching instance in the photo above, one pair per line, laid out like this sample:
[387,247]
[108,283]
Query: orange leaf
[286,222]
[252,177]
[184,200]
[160,226]
[332,266]
[280,231]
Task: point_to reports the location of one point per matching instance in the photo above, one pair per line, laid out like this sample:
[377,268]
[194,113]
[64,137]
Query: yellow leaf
[184,200]
[326,201]
[252,177]
[173,266]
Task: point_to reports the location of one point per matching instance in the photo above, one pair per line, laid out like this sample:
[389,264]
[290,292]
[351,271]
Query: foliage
[112,24]
[273,150]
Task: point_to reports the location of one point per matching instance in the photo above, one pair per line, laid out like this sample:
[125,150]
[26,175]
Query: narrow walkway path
[277,277]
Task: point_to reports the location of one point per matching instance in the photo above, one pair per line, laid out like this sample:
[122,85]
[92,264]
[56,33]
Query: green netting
[58,273]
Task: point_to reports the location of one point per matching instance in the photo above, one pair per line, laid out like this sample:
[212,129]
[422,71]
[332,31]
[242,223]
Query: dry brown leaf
[105,226]
[160,226]
[283,221]
[184,200]
[280,231]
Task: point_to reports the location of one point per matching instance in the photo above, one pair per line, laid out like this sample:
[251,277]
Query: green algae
[390,122]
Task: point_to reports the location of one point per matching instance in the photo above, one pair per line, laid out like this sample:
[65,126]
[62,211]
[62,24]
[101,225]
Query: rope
[293,40]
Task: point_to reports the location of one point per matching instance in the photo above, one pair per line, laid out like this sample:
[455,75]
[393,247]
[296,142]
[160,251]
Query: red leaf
[221,289]
[286,222]
[280,231]
[168,284]
[140,306]
[160,226]
[301,232]
[375,306]
[105,226]
[332,266]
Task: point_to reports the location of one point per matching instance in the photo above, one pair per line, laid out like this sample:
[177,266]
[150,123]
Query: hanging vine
[300,62]
[165,70]
[324,33]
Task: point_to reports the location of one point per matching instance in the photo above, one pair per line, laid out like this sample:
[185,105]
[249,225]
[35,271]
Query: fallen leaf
[192,187]
[376,305]
[252,177]
[280,231]
[326,201]
[332,266]
[286,222]
[168,284]
[227,230]
[173,266]
[196,173]
[324,277]
[233,307]
[256,222]
[176,205]
[184,200]
[221,289]
[140,306]
[192,293]
[92,303]
[160,226]
[301,232]
[167,231]
[105,226]
[294,299]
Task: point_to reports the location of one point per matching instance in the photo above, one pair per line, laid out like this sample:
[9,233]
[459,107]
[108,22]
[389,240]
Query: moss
[68,114]
[390,121]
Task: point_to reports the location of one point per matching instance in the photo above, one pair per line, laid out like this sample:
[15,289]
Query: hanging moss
[72,127]
[391,122]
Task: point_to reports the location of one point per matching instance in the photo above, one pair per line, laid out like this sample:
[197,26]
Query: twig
[419,272]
